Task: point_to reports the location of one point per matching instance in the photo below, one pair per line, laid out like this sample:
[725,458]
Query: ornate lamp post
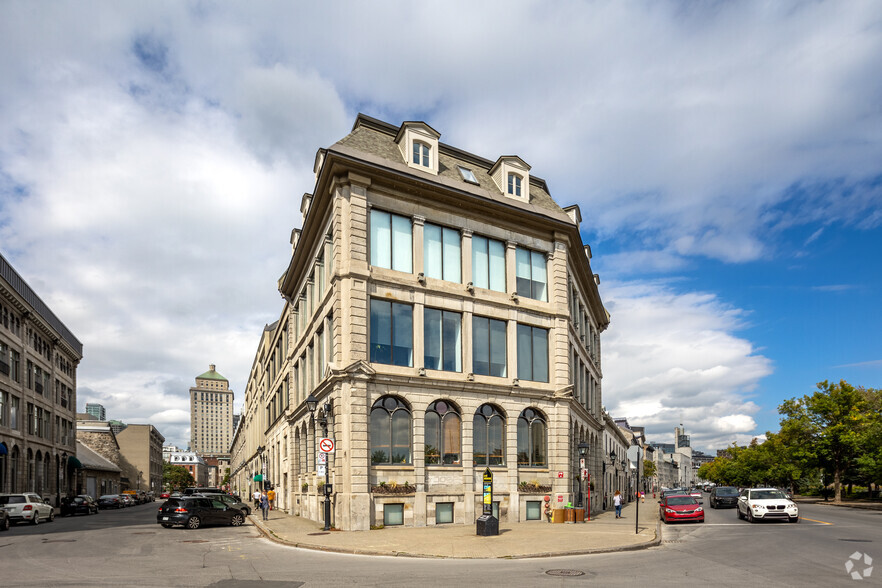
[312,404]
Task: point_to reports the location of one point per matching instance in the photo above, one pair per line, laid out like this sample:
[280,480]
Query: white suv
[27,507]
[760,504]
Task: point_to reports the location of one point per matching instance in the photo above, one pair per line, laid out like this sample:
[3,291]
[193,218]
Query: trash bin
[580,515]
[557,515]
[570,515]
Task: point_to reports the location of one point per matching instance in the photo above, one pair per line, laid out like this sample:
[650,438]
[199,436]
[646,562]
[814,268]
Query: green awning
[74,463]
[258,477]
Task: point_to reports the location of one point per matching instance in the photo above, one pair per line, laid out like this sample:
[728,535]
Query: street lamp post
[583,451]
[637,486]
[311,404]
[260,466]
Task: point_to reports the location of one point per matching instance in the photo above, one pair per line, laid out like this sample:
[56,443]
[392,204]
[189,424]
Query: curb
[268,533]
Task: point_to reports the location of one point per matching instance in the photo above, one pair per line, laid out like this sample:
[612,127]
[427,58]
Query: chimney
[211,367]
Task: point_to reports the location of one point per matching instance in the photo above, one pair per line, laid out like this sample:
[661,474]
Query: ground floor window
[443,513]
[393,514]
[534,510]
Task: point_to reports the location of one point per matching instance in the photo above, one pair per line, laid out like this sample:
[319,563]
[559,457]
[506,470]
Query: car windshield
[12,499]
[767,495]
[727,492]
[680,500]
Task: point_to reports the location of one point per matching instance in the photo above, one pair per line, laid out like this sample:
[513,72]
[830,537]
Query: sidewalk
[604,533]
[865,504]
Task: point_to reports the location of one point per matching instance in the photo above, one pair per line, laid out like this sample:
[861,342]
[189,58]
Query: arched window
[489,436]
[443,434]
[532,445]
[390,431]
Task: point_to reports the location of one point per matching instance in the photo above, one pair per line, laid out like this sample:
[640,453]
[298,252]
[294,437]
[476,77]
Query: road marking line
[814,521]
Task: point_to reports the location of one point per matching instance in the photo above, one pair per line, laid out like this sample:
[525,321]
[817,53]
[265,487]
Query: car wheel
[193,523]
[738,512]
[5,525]
[36,519]
[237,520]
[51,515]
[750,518]
[711,504]
[165,525]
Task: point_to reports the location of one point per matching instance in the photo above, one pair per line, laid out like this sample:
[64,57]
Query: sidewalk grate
[564,572]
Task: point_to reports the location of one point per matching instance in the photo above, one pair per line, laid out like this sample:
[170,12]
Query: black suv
[724,496]
[194,511]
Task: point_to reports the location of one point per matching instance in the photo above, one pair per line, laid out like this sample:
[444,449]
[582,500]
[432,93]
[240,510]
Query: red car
[164,495]
[680,507]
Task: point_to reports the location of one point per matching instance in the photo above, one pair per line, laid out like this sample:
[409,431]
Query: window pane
[534,510]
[539,276]
[452,256]
[452,344]
[380,441]
[496,440]
[480,262]
[537,441]
[496,251]
[452,440]
[479,437]
[402,244]
[522,272]
[481,345]
[497,348]
[433,438]
[416,152]
[540,355]
[402,336]
[381,239]
[523,443]
[432,251]
[525,352]
[432,338]
[401,436]
[393,514]
[425,155]
[443,512]
[381,331]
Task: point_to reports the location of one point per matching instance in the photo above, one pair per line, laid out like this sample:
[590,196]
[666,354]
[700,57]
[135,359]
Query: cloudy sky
[727,159]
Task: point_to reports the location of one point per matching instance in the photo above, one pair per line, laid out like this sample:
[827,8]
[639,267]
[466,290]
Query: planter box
[388,490]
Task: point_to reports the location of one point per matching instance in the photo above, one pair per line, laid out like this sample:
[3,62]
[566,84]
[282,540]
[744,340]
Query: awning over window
[258,477]
[74,463]
[3,450]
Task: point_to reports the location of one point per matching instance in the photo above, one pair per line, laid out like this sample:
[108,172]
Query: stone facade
[520,386]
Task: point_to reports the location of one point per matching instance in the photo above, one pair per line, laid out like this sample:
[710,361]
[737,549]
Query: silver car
[27,507]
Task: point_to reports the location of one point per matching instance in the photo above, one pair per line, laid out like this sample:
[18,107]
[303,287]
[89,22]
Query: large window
[391,241]
[488,263]
[532,353]
[488,347]
[391,333]
[390,431]
[442,340]
[443,434]
[531,274]
[489,436]
[442,257]
[532,448]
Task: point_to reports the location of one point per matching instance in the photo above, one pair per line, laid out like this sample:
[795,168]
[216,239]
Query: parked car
[723,496]
[133,494]
[127,499]
[696,494]
[672,492]
[164,495]
[193,512]
[190,491]
[680,507]
[82,504]
[151,497]
[4,519]
[761,504]
[27,507]
[229,500]
[110,501]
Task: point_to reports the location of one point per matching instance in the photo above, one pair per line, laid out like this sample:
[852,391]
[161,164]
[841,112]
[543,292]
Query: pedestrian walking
[271,497]
[264,506]
[643,497]
[617,501]
[256,497]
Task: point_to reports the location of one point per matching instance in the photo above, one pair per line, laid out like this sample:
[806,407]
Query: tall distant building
[117,426]
[97,411]
[211,414]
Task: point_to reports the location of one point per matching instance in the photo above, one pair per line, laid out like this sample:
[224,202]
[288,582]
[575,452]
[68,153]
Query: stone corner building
[442,309]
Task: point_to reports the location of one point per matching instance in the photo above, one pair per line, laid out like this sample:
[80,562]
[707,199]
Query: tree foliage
[175,477]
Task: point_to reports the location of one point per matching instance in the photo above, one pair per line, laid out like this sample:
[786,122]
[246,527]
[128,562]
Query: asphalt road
[128,548]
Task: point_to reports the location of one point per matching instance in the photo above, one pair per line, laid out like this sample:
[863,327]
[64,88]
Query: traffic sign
[320,470]
[322,458]
[560,474]
[326,445]
[584,474]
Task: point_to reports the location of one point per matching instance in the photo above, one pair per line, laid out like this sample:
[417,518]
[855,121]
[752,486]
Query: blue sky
[726,157]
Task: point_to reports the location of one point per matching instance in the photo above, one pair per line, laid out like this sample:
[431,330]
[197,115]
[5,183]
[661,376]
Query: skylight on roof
[467,174]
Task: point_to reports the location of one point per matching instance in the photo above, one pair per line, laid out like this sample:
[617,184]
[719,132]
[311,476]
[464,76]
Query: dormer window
[421,154]
[514,185]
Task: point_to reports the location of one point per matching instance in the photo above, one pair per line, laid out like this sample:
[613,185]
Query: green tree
[176,477]
[648,469]
[835,422]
